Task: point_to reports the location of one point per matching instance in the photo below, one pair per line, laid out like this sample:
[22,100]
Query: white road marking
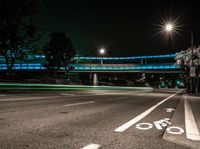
[169,110]
[67,94]
[115,93]
[192,131]
[175,130]
[91,146]
[80,103]
[144,126]
[28,98]
[162,123]
[2,95]
[75,95]
[142,115]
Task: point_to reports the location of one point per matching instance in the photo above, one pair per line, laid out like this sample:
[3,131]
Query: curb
[178,120]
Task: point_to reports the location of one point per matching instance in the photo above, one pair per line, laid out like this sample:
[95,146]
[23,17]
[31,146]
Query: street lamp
[193,77]
[102,51]
[169,27]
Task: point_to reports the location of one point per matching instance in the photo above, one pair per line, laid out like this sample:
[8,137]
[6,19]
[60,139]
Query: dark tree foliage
[21,26]
[59,51]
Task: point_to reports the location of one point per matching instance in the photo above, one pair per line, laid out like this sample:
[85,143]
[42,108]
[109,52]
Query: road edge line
[192,131]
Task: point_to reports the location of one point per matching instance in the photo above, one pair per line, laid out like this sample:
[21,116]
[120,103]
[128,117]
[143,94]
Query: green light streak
[20,86]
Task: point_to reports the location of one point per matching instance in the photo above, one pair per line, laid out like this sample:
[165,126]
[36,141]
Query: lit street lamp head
[102,51]
[169,27]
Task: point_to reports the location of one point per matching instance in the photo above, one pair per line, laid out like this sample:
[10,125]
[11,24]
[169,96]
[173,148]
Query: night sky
[124,27]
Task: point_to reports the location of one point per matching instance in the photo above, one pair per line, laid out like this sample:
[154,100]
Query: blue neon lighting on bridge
[23,66]
[125,58]
[32,57]
[79,67]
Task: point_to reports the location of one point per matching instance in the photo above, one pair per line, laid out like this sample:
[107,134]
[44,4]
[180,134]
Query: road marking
[67,94]
[75,95]
[169,110]
[175,130]
[144,126]
[80,103]
[91,146]
[142,115]
[162,123]
[2,95]
[115,93]
[192,131]
[28,98]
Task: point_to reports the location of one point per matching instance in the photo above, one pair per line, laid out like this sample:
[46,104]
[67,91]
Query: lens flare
[169,27]
[102,51]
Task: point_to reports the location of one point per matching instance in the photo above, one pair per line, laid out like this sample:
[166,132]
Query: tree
[59,51]
[21,27]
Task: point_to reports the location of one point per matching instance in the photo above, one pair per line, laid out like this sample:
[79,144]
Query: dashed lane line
[114,93]
[78,95]
[80,103]
[192,131]
[67,94]
[142,115]
[91,146]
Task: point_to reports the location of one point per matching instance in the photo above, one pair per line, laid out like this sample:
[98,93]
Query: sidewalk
[185,123]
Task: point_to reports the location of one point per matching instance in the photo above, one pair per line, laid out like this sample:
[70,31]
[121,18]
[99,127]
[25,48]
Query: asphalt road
[88,120]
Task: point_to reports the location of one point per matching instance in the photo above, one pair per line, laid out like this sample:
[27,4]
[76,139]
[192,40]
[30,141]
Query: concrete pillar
[95,79]
[142,61]
[90,77]
[101,61]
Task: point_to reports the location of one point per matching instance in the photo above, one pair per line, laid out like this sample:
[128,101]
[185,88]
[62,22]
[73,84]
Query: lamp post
[169,27]
[192,74]
[90,71]
[102,51]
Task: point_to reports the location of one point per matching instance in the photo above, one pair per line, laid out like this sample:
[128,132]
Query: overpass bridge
[98,66]
[102,65]
[127,64]
[115,68]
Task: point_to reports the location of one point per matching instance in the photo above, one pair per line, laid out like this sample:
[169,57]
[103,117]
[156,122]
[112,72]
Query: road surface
[87,119]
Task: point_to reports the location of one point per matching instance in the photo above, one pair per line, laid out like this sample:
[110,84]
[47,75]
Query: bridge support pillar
[95,79]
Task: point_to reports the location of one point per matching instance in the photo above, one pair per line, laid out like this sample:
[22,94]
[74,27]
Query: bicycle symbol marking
[175,130]
[163,123]
[144,126]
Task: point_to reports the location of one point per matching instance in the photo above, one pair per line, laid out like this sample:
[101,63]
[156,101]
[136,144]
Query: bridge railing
[79,67]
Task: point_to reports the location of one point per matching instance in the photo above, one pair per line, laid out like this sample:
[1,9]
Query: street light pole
[102,52]
[90,71]
[192,74]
